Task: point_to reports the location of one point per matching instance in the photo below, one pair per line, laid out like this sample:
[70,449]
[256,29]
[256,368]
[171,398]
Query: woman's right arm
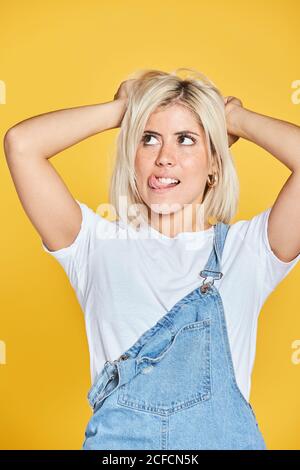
[29,144]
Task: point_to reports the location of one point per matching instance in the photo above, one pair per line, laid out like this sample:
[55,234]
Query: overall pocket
[178,378]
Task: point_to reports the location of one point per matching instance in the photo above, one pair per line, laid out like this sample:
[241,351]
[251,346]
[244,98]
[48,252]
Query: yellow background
[59,54]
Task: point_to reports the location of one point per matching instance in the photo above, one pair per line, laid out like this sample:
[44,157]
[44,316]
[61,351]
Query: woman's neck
[177,222]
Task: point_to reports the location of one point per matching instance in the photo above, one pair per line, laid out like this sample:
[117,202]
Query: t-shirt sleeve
[256,237]
[75,258]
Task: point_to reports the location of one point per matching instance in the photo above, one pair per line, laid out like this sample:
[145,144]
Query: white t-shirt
[125,281]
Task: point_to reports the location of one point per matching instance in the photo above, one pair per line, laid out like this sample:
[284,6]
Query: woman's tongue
[156,184]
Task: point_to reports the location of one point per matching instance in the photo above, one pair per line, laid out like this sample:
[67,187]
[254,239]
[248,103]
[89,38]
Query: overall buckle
[205,273]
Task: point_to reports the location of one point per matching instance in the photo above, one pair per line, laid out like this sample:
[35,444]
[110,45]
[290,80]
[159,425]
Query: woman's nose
[166,157]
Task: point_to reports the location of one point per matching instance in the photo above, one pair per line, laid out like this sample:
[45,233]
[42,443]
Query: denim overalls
[175,388]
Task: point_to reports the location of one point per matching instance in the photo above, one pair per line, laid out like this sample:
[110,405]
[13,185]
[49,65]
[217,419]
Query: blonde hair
[155,88]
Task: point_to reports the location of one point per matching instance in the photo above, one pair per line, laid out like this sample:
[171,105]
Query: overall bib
[175,388]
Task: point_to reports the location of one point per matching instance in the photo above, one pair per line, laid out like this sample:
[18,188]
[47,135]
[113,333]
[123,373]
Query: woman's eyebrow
[175,133]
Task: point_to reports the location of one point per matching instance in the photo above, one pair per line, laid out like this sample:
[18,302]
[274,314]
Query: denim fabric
[175,388]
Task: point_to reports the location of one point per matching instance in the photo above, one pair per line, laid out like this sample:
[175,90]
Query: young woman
[171,300]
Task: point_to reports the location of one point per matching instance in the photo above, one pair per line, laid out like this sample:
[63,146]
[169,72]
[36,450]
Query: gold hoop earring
[212,182]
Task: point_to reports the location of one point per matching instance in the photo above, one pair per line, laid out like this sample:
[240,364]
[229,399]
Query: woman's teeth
[167,180]
[160,183]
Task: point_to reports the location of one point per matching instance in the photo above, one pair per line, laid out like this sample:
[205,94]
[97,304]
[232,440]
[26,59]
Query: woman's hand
[232,106]
[124,89]
[121,97]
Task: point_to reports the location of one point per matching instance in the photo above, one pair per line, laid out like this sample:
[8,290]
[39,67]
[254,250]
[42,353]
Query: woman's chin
[165,207]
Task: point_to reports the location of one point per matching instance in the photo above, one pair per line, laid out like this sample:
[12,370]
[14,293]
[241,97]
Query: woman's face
[172,146]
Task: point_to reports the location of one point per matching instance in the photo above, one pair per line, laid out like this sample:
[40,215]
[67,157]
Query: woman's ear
[212,166]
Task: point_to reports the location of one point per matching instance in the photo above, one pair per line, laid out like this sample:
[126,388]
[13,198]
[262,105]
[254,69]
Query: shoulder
[247,244]
[252,231]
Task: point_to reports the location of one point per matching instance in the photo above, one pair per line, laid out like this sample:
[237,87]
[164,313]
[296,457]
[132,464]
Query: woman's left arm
[282,140]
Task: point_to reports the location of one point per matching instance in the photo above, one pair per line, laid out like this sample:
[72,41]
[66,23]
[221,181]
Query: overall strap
[214,264]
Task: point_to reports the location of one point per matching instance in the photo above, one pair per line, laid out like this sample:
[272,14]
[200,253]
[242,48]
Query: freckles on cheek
[137,166]
[141,173]
[192,170]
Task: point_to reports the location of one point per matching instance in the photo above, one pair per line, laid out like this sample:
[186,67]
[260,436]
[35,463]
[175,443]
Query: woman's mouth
[162,184]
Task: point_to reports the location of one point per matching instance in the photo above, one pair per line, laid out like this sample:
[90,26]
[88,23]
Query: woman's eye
[183,136]
[145,137]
